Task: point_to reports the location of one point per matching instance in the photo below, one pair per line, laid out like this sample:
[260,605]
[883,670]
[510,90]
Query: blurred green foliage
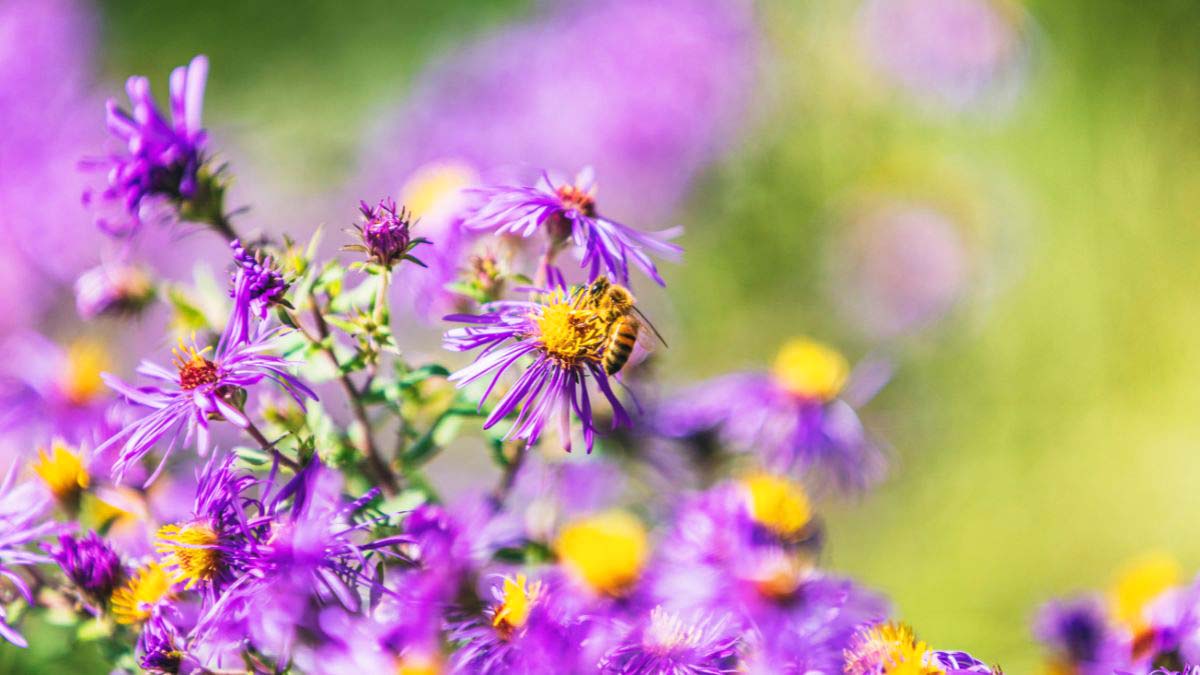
[1042,434]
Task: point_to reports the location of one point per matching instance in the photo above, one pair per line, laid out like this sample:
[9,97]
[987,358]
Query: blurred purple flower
[1081,636]
[665,642]
[953,53]
[799,416]
[899,268]
[524,630]
[160,160]
[90,564]
[46,55]
[113,288]
[23,510]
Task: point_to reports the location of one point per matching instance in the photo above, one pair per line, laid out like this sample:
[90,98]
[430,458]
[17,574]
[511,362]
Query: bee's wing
[657,336]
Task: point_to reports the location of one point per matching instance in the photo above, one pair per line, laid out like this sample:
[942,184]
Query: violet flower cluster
[218,515]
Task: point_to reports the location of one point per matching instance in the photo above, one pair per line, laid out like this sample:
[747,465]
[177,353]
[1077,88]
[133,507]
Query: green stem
[270,447]
[383,474]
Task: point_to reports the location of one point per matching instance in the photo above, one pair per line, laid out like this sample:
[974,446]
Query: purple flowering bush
[261,503]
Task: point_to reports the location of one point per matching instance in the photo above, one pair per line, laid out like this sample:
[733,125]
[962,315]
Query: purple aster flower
[22,522]
[566,336]
[800,415]
[161,160]
[665,642]
[90,564]
[215,546]
[386,234]
[257,282]
[524,630]
[1081,636]
[302,550]
[200,390]
[117,289]
[159,648]
[567,212]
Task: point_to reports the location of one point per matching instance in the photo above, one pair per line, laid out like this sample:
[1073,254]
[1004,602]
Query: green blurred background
[1043,432]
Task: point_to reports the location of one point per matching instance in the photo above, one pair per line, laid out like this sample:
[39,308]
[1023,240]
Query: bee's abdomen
[620,345]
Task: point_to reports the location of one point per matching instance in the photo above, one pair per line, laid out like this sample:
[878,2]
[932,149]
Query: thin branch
[269,446]
[383,474]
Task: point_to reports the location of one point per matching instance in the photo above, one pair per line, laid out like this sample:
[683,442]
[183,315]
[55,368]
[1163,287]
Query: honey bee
[617,306]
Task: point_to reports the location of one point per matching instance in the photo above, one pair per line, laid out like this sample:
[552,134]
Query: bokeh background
[1001,197]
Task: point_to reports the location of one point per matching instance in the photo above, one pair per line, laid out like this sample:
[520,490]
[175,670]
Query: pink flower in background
[954,54]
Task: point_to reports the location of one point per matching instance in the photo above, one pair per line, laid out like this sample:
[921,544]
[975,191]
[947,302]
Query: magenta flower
[161,159]
[567,212]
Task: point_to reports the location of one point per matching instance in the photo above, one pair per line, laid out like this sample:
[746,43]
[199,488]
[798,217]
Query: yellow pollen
[513,610]
[1141,581]
[63,472]
[606,551]
[80,380]
[776,503]
[190,552]
[436,186]
[571,333]
[194,369]
[889,649]
[811,370]
[134,602]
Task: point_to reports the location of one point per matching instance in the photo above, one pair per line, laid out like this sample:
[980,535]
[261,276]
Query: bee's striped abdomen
[620,344]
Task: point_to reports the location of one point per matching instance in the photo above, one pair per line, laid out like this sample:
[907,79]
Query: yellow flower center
[889,649]
[435,186]
[191,552]
[605,551]
[569,332]
[194,369]
[513,610]
[1141,581]
[811,370]
[134,602]
[63,472]
[776,503]
[80,380]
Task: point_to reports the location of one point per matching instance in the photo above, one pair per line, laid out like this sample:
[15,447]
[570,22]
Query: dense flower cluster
[305,535]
